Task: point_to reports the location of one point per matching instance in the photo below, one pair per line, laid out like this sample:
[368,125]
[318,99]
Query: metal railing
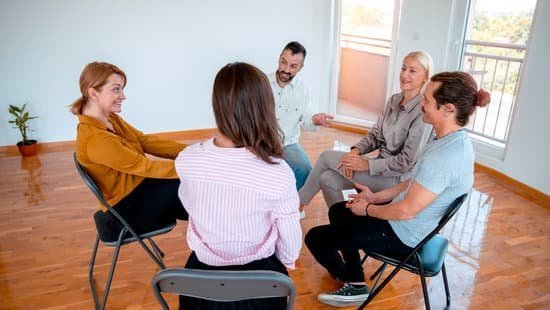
[366,44]
[496,67]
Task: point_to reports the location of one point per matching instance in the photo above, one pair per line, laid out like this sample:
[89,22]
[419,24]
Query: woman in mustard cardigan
[143,190]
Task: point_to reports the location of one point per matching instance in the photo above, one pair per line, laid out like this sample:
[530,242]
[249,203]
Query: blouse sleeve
[111,152]
[287,222]
[155,145]
[403,161]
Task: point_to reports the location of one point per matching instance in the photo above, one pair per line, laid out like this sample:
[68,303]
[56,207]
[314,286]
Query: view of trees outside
[503,28]
[365,21]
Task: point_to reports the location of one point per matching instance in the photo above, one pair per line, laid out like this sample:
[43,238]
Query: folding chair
[429,259]
[127,235]
[223,285]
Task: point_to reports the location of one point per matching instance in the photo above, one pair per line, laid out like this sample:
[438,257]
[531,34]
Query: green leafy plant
[21,118]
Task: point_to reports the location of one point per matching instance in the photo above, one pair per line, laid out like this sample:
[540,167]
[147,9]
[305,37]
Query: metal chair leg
[375,292]
[378,271]
[91,272]
[156,248]
[112,269]
[109,276]
[446,283]
[424,288]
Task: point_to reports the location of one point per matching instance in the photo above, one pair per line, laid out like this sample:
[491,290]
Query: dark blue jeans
[297,159]
[347,233]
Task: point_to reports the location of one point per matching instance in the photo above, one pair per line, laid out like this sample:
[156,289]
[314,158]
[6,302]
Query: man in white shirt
[293,108]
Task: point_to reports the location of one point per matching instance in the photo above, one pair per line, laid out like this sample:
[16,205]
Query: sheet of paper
[347,192]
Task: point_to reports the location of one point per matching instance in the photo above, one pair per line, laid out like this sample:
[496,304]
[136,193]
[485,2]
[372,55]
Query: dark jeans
[151,205]
[270,263]
[347,234]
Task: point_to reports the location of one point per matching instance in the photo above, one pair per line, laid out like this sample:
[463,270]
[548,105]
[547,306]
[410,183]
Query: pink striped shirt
[241,208]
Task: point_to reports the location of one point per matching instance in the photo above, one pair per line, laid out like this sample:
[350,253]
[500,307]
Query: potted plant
[27,147]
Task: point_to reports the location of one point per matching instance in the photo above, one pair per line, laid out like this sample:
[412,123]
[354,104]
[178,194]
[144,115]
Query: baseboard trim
[186,136]
[516,186]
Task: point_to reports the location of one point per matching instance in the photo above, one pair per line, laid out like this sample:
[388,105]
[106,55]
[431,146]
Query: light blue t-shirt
[446,168]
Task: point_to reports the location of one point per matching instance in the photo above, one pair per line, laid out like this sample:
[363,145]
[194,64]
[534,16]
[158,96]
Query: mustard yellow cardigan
[116,159]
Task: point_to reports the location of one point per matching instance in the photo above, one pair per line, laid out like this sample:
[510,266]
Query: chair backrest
[99,195]
[90,182]
[223,285]
[451,210]
[432,249]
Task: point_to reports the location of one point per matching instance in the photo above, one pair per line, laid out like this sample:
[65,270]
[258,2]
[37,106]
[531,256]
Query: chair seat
[432,254]
[150,234]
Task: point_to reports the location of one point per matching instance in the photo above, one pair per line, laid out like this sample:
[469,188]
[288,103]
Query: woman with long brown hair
[239,192]
[143,190]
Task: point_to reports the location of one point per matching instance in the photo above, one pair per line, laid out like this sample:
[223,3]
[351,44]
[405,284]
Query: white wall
[424,25]
[170,50]
[436,25]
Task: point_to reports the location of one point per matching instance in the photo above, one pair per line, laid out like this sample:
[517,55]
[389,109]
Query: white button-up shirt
[293,108]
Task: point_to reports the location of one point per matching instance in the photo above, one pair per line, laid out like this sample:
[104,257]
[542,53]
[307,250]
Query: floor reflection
[466,233]
[33,192]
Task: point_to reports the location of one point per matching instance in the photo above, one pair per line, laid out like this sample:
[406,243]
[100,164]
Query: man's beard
[284,77]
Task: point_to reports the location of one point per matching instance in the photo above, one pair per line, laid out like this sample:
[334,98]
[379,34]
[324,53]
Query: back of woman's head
[425,60]
[245,110]
[460,89]
[94,75]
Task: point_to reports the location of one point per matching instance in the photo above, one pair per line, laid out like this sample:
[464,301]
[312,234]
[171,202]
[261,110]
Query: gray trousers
[331,181]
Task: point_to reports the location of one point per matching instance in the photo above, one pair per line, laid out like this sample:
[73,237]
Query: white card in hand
[347,192]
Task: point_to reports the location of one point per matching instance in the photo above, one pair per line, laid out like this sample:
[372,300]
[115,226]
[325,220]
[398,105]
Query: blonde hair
[94,75]
[425,60]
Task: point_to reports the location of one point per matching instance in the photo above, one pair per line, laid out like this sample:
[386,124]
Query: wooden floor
[499,257]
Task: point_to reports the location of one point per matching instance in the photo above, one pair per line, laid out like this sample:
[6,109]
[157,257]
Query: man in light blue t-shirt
[444,171]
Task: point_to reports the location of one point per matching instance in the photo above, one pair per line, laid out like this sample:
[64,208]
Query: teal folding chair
[427,259]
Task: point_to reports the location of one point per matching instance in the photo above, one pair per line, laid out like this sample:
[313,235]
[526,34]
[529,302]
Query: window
[494,50]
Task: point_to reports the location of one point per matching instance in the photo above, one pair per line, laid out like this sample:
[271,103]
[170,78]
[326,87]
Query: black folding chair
[127,235]
[427,259]
[223,285]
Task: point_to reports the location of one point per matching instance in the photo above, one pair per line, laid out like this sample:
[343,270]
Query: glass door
[364,44]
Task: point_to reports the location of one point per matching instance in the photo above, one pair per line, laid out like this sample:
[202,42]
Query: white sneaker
[302,214]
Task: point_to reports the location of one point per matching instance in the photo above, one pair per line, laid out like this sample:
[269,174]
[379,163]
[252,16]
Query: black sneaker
[345,296]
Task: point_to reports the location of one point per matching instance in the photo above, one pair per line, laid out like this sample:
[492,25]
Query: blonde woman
[399,135]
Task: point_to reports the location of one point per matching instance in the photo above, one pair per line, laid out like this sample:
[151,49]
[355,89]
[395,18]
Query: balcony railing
[366,44]
[498,74]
